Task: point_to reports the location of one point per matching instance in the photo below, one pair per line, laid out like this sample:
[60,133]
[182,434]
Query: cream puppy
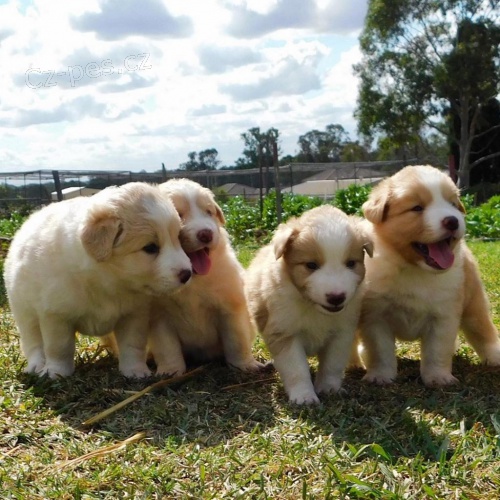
[209,319]
[304,292]
[423,282]
[92,265]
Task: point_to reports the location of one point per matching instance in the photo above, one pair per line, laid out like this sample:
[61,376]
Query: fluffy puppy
[423,282]
[304,294]
[209,319]
[92,265]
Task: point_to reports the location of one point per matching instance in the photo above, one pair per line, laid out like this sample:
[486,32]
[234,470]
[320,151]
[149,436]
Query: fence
[41,187]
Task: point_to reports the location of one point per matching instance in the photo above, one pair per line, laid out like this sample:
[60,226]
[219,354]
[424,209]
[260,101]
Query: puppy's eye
[209,212]
[350,264]
[151,249]
[417,208]
[312,266]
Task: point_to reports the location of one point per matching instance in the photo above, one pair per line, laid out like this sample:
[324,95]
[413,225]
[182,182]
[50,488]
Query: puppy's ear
[375,208]
[220,214]
[460,205]
[100,233]
[284,235]
[368,248]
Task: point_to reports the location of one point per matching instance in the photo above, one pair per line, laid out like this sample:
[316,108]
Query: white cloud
[94,84]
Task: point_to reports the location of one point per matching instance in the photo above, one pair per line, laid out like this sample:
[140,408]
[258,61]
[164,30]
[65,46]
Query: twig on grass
[156,385]
[236,386]
[103,451]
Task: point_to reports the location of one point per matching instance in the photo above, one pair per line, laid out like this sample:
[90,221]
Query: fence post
[277,186]
[57,184]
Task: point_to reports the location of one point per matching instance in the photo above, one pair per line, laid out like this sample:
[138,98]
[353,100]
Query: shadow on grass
[406,419]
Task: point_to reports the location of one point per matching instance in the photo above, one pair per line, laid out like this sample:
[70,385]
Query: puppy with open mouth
[423,282]
[304,291]
[210,318]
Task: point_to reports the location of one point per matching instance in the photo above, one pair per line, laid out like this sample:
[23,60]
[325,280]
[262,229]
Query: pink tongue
[441,254]
[200,261]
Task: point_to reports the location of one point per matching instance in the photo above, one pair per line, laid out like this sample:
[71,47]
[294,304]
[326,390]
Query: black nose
[184,276]
[205,235]
[335,299]
[450,223]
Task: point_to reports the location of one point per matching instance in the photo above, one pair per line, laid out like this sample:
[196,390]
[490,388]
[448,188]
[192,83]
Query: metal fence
[41,187]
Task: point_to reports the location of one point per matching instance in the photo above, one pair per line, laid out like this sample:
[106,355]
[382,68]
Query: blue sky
[129,84]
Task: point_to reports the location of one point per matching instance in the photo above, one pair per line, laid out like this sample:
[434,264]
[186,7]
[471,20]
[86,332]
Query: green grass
[205,441]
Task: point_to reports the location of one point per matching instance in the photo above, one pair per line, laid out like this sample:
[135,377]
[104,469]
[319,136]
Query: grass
[216,436]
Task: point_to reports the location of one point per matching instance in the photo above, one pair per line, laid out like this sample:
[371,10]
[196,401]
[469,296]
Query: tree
[258,149]
[423,58]
[322,146]
[204,160]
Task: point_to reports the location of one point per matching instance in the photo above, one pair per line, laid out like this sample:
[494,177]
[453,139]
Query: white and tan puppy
[423,282]
[92,265]
[209,319]
[304,292]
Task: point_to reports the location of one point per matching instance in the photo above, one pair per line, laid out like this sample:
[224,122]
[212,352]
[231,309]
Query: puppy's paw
[327,385]
[171,370]
[140,370]
[379,378]
[248,365]
[438,379]
[304,398]
[55,370]
[36,364]
[492,355]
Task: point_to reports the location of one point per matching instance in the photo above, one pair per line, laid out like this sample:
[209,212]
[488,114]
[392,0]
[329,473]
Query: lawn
[226,434]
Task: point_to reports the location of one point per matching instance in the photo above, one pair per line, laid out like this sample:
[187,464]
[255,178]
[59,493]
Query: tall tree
[423,58]
[258,148]
[318,146]
[204,160]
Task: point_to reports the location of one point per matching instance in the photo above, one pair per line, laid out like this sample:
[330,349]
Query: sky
[132,84]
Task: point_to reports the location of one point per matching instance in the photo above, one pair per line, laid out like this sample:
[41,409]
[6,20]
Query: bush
[9,226]
[351,199]
[484,221]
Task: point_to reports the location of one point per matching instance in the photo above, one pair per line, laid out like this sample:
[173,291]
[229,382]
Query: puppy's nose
[335,299]
[450,223]
[184,276]
[205,235]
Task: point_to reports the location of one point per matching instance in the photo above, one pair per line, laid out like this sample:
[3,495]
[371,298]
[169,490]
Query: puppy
[304,294]
[209,319]
[423,282]
[92,265]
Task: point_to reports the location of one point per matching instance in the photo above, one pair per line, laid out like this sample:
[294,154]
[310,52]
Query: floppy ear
[219,214]
[282,238]
[375,208]
[460,205]
[99,234]
[368,248]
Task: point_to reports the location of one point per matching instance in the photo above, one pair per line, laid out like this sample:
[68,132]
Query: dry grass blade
[103,451]
[237,386]
[152,387]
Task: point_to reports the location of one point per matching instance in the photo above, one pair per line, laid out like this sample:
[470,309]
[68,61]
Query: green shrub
[351,199]
[9,226]
[484,221]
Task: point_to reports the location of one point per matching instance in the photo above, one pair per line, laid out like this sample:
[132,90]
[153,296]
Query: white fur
[78,265]
[288,300]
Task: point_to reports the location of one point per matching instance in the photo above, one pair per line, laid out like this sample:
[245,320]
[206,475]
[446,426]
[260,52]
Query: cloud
[119,19]
[71,111]
[246,23]
[133,82]
[221,59]
[334,16]
[209,109]
[289,78]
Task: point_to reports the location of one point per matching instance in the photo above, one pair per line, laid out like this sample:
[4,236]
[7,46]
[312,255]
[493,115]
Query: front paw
[248,365]
[438,379]
[140,370]
[303,398]
[171,369]
[379,377]
[327,385]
